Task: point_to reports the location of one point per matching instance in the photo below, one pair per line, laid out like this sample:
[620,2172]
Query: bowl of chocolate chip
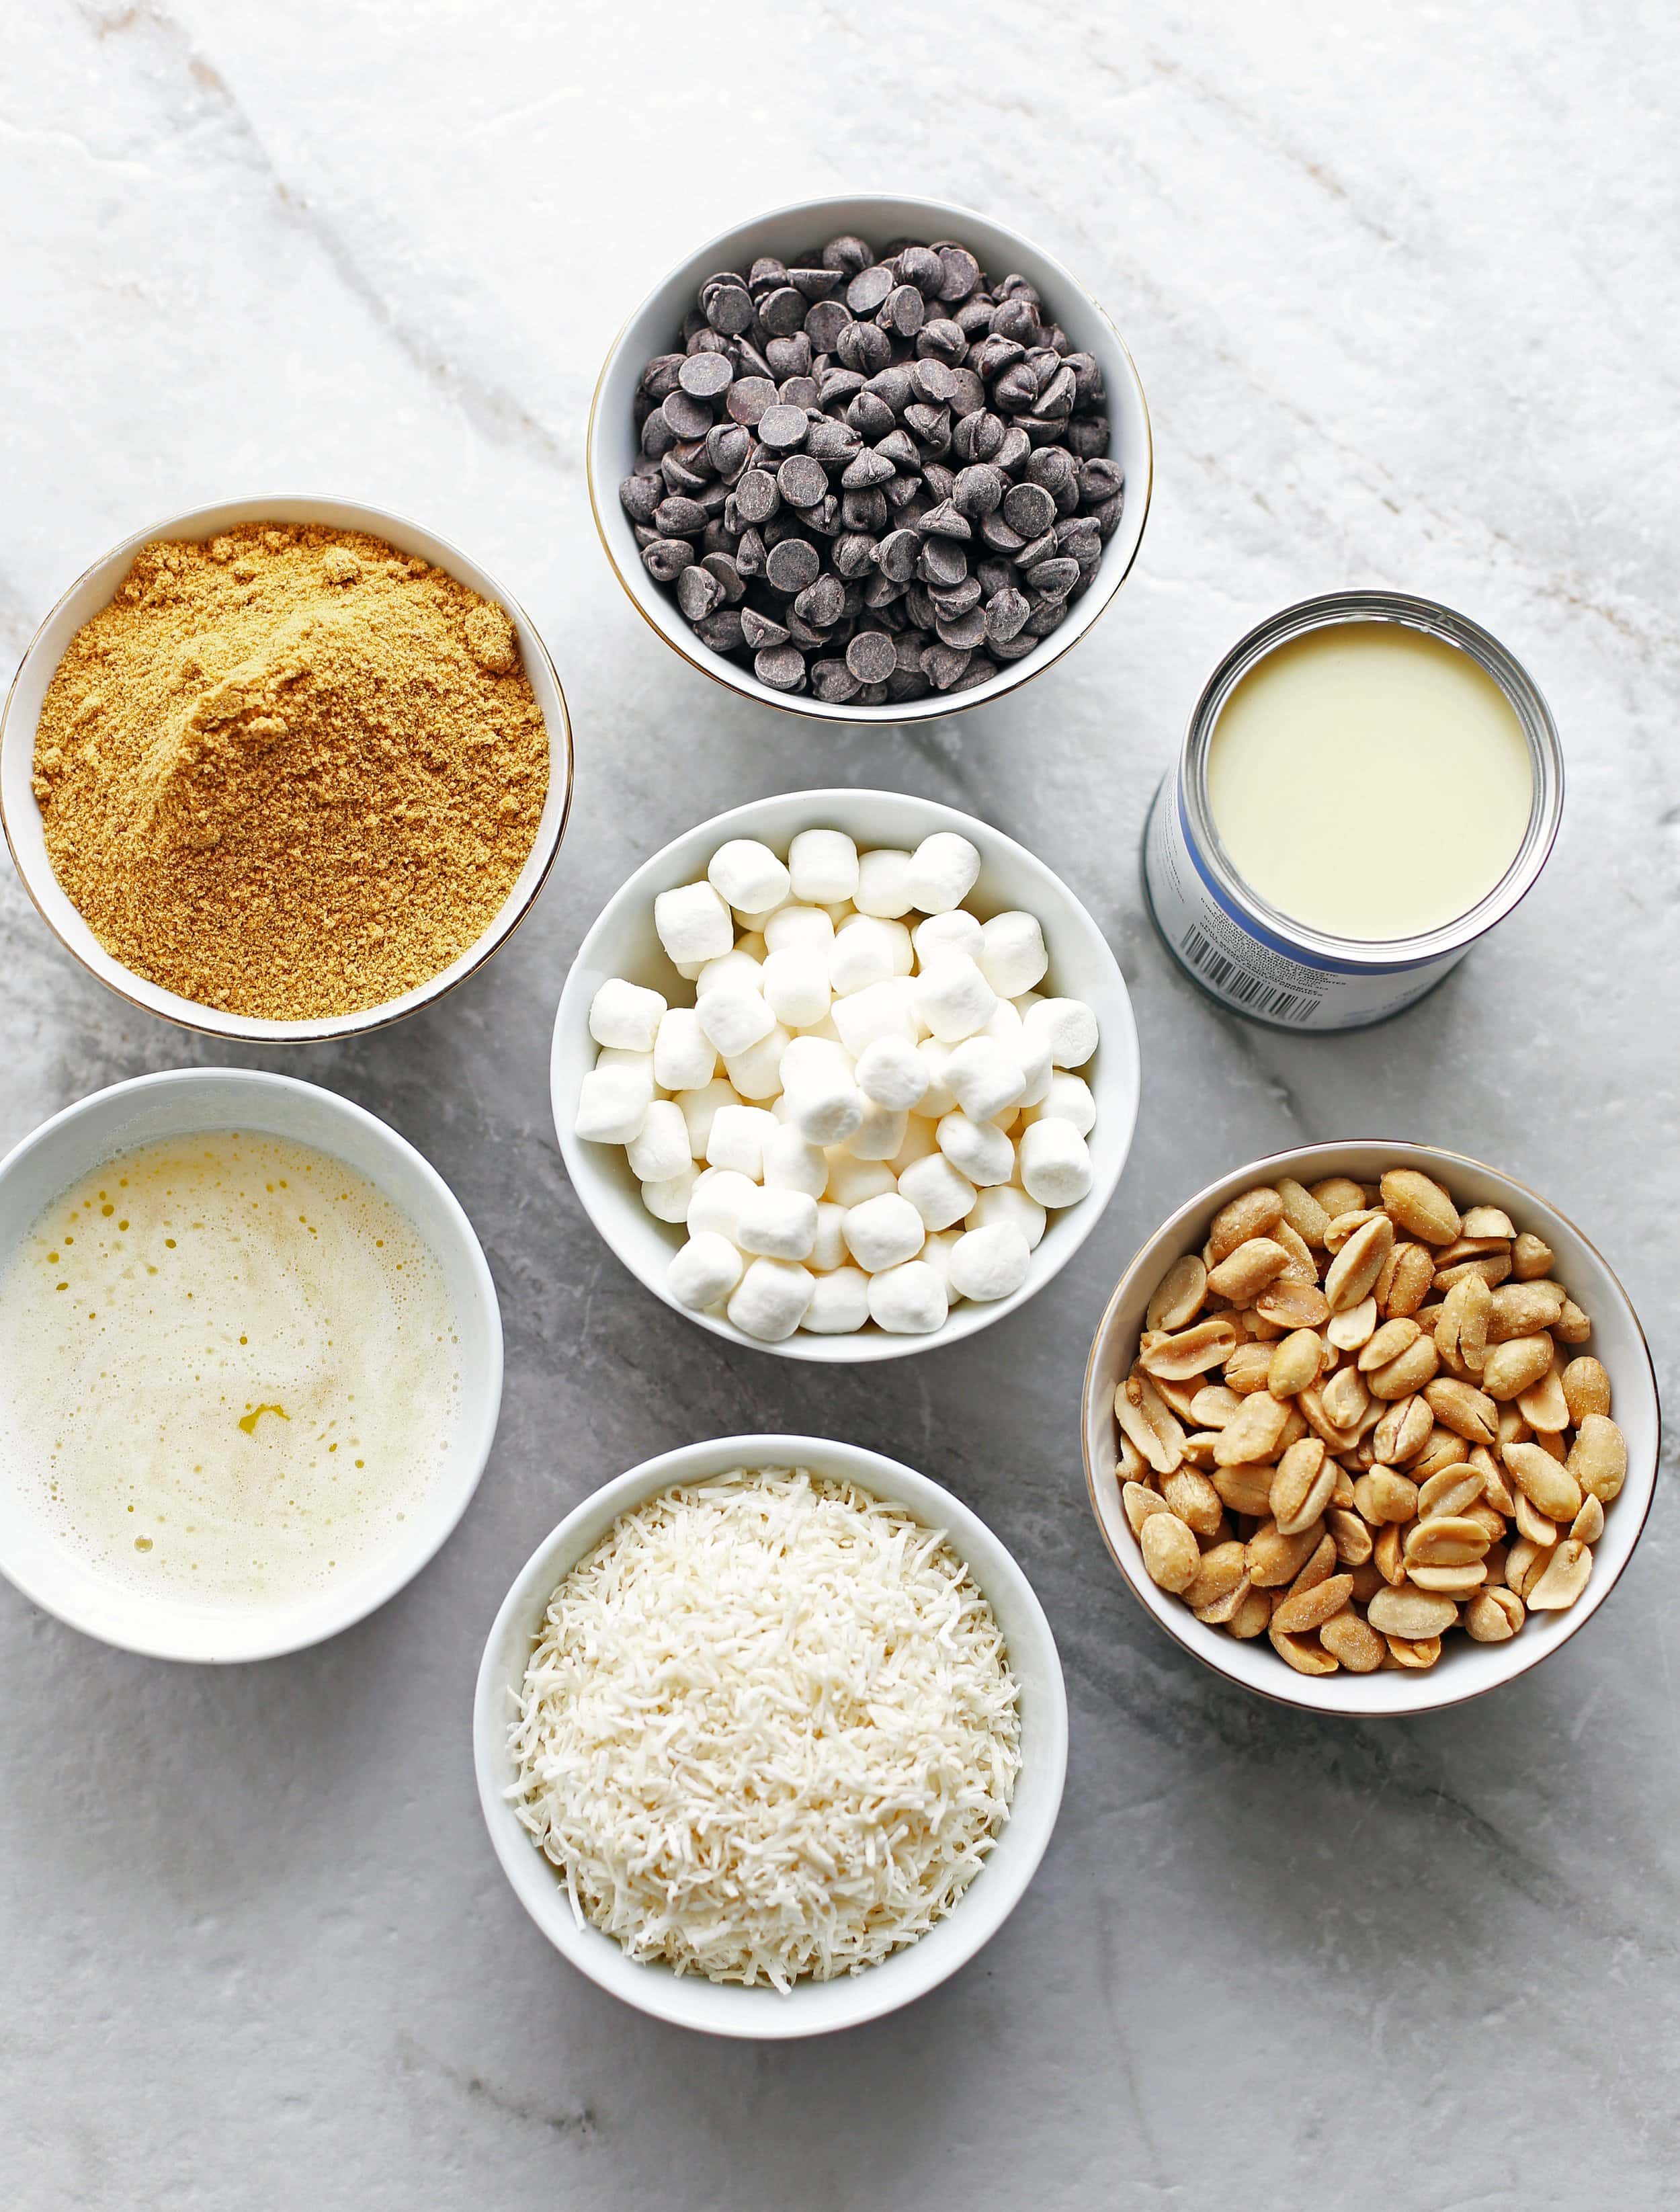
[284,769]
[870,459]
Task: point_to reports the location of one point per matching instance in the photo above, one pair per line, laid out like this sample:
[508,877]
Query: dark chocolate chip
[640,495]
[782,427]
[868,288]
[748,397]
[802,481]
[704,375]
[794,562]
[781,666]
[871,656]
[847,254]
[667,558]
[730,309]
[759,631]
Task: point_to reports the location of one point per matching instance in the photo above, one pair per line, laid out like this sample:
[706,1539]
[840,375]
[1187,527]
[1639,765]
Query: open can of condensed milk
[1368,784]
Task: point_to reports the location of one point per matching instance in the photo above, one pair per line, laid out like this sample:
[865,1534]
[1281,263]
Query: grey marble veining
[1399,285]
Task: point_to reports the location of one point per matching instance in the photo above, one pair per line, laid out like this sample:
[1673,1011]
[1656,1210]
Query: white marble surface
[1399,282]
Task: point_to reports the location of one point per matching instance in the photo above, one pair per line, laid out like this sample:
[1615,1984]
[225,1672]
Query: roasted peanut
[1531,1257]
[1245,1273]
[1586,1388]
[1421,1207]
[1170,1552]
[1357,1265]
[1516,1365]
[1598,1458]
[1179,1294]
[1255,1213]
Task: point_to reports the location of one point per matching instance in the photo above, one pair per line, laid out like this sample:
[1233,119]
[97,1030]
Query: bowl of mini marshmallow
[845,1074]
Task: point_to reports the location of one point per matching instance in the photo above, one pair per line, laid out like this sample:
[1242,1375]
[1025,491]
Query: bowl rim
[375,1590]
[1430,1697]
[939,704]
[862,1346]
[663,1995]
[207,1021]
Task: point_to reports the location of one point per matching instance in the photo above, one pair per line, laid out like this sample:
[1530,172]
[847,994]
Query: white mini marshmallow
[829,1250]
[822,865]
[771,1299]
[882,1010]
[659,1149]
[938,1190]
[824,1028]
[669,1200]
[958,931]
[880,1133]
[953,998]
[839,1304]
[910,1300]
[884,883]
[827,1110]
[990,1263]
[791,1162]
[756,1073]
[918,1143]
[737,1137]
[753,925]
[625,1015]
[1066,1027]
[800,928]
[618,1056]
[780,1224]
[736,970]
[748,876]
[838,910]
[1013,957]
[751,943]
[943,870]
[984,1078]
[891,1072]
[936,1058]
[883,1233]
[705,1270]
[796,984]
[612,1104]
[1007,1027]
[852,1181]
[687,970]
[823,1103]
[984,1155]
[867,950]
[716,1203]
[694,923]
[1055,1166]
[937,1252]
[684,1057]
[734,1020]
[1066,1098]
[1006,1205]
[699,1105]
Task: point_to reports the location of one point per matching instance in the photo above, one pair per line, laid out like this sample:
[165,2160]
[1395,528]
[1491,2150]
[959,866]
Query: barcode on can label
[1253,992]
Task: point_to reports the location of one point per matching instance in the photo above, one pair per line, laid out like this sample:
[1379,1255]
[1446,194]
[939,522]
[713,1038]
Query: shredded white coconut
[769,1730]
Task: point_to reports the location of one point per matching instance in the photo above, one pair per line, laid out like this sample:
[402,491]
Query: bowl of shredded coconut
[771,1736]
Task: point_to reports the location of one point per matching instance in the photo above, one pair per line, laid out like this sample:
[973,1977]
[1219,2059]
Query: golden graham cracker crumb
[291,773]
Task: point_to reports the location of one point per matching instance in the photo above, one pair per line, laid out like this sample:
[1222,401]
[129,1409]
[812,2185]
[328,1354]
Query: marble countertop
[1399,284]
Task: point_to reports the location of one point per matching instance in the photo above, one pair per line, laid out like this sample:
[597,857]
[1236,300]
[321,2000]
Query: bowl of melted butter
[253,1362]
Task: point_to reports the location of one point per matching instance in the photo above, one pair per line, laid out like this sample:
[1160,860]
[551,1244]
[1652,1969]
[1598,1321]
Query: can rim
[1283,932]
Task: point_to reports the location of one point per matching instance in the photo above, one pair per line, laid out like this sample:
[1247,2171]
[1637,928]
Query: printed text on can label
[1296,991]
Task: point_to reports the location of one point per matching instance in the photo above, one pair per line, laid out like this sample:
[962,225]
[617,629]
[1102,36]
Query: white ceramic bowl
[1465,1669]
[878,218]
[812,2007]
[179,1102]
[20,815]
[623,942]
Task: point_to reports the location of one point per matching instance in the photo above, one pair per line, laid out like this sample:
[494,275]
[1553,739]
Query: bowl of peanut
[1370,1427]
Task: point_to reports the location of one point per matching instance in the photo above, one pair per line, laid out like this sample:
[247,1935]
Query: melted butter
[189,1336]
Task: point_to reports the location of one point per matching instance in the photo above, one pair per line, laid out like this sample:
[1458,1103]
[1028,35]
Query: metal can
[1259,962]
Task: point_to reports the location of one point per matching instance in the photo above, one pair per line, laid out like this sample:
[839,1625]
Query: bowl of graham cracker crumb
[284,769]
